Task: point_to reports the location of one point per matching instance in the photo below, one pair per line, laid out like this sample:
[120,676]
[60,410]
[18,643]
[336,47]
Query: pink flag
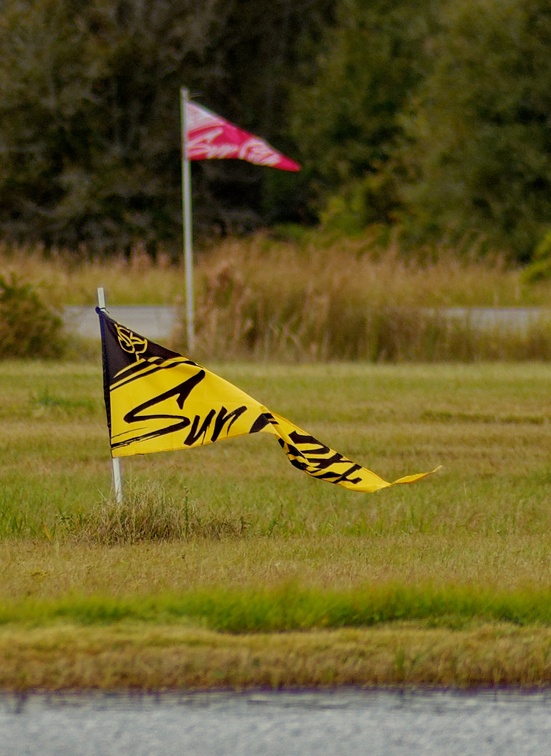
[209,136]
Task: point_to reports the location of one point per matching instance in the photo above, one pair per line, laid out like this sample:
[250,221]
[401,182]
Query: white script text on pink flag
[211,137]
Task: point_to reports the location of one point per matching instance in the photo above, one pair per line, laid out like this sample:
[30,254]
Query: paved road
[157,322]
[151,321]
[514,318]
[317,723]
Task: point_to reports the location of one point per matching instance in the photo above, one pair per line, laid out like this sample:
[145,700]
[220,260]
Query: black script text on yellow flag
[156,400]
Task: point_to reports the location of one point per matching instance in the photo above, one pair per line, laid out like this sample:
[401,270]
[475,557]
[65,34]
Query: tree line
[432,117]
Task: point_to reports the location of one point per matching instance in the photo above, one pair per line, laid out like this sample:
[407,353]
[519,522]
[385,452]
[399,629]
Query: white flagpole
[186,219]
[117,479]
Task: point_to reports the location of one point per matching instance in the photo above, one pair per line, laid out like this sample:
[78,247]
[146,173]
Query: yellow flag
[156,400]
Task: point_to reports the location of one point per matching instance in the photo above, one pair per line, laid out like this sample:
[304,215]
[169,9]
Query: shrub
[540,267]
[28,327]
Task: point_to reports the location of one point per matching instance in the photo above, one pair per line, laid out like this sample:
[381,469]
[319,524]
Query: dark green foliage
[28,328]
[89,113]
[433,116]
[348,120]
[479,145]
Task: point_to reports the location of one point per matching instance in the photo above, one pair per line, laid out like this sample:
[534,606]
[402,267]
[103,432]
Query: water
[350,721]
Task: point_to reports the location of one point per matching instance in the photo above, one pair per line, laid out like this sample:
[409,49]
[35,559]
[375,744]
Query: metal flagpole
[186,220]
[117,479]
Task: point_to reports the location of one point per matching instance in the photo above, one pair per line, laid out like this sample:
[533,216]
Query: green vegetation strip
[290,608]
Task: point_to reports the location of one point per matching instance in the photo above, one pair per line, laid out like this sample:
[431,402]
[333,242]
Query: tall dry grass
[311,299]
[68,277]
[438,276]
[350,302]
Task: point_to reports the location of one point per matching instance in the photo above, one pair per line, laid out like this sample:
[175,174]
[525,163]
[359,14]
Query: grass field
[266,577]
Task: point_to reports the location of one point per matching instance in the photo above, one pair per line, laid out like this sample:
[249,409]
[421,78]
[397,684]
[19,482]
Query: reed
[346,302]
[310,300]
[438,276]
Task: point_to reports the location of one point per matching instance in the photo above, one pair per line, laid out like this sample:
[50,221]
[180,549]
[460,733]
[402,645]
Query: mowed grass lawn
[276,579]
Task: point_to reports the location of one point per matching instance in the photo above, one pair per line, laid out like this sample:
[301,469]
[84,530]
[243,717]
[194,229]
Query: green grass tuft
[147,513]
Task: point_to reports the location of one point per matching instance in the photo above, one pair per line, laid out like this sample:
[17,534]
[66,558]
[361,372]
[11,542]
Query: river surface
[321,723]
